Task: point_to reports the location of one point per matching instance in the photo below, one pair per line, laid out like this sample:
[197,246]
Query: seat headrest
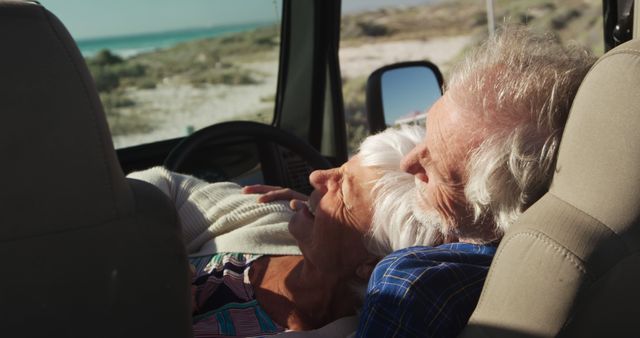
[598,169]
[58,161]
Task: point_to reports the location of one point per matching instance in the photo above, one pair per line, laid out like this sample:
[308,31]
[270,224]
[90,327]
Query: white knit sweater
[218,217]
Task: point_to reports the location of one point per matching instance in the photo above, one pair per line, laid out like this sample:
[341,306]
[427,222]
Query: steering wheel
[257,131]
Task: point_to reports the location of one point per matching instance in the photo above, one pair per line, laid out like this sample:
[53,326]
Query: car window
[375,33]
[164,69]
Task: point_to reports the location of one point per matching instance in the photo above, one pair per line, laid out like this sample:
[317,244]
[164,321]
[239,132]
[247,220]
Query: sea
[130,45]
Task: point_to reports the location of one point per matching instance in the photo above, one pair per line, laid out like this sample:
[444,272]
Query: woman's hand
[273,193]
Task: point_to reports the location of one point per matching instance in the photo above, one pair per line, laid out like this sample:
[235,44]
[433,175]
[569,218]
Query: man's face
[438,163]
[332,239]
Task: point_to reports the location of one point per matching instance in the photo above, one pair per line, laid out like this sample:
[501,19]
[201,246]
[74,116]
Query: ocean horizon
[130,45]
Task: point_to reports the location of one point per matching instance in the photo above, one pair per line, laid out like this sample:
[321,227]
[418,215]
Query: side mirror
[402,93]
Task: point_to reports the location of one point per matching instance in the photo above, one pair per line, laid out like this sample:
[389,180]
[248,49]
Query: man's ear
[365,268]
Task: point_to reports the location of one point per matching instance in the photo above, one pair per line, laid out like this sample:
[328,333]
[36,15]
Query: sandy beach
[175,105]
[362,60]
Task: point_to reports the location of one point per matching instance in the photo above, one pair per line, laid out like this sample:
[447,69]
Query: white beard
[427,217]
[400,219]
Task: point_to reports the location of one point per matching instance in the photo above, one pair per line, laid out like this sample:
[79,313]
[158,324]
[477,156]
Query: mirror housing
[401,91]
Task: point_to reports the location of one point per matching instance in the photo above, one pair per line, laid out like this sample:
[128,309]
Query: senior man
[488,154]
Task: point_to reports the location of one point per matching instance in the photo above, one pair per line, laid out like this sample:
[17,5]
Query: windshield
[165,69]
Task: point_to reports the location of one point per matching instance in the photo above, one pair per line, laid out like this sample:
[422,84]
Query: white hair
[395,225]
[518,87]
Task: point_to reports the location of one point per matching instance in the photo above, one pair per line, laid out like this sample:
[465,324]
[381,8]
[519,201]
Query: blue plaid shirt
[425,291]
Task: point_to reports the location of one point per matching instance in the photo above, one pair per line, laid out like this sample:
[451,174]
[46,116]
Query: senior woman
[279,261]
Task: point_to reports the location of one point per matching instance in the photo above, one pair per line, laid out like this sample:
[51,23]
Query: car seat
[570,266]
[84,252]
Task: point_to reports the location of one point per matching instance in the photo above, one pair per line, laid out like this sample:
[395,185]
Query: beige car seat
[570,267]
[84,252]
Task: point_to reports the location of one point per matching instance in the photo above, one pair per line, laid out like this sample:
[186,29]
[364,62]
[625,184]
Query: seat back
[571,265]
[84,251]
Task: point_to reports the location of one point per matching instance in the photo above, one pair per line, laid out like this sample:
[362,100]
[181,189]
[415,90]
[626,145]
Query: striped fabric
[225,302]
[425,291]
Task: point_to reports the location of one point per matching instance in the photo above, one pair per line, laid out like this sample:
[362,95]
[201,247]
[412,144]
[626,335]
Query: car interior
[89,252]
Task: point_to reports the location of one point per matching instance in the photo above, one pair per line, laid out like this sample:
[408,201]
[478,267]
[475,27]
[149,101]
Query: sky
[408,90]
[102,18]
[105,18]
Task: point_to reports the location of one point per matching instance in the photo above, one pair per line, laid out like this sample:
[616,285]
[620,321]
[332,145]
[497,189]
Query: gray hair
[519,88]
[395,225]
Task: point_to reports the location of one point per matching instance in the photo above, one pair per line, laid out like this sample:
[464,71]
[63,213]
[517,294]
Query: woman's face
[331,237]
